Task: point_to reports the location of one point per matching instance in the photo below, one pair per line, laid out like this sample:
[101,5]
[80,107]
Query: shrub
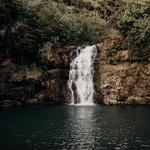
[70,27]
[133,20]
[22,31]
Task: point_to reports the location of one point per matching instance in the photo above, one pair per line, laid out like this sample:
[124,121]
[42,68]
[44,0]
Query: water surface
[75,127]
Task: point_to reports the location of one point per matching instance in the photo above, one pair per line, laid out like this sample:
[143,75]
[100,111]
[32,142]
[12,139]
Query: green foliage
[27,26]
[133,20]
[44,53]
[69,27]
[22,31]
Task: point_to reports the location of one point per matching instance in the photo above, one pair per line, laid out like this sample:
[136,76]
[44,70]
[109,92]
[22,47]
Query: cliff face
[124,83]
[119,80]
[35,56]
[34,85]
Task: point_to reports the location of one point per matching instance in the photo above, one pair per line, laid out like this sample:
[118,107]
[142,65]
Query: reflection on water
[82,127]
[75,127]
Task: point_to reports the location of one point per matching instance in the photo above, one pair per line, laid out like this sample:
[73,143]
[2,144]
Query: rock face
[121,81]
[117,79]
[36,84]
[22,89]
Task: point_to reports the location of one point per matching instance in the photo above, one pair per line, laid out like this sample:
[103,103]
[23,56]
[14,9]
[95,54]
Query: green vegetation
[133,20]
[36,37]
[20,31]
[25,25]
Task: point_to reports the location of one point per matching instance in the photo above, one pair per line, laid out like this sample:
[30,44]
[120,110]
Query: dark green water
[75,127]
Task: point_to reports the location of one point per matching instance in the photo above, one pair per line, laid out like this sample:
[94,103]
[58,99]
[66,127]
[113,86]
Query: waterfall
[81,72]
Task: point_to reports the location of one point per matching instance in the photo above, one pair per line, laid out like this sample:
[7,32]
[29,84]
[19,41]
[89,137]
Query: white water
[81,72]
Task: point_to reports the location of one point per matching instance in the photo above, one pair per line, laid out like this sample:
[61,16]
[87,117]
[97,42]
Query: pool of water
[75,128]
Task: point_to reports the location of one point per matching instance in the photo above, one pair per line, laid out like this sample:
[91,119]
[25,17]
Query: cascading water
[80,80]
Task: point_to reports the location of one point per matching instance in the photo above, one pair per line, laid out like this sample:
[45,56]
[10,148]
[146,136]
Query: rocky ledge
[36,84]
[119,79]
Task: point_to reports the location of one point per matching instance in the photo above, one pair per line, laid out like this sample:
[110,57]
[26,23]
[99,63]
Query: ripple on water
[71,127]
